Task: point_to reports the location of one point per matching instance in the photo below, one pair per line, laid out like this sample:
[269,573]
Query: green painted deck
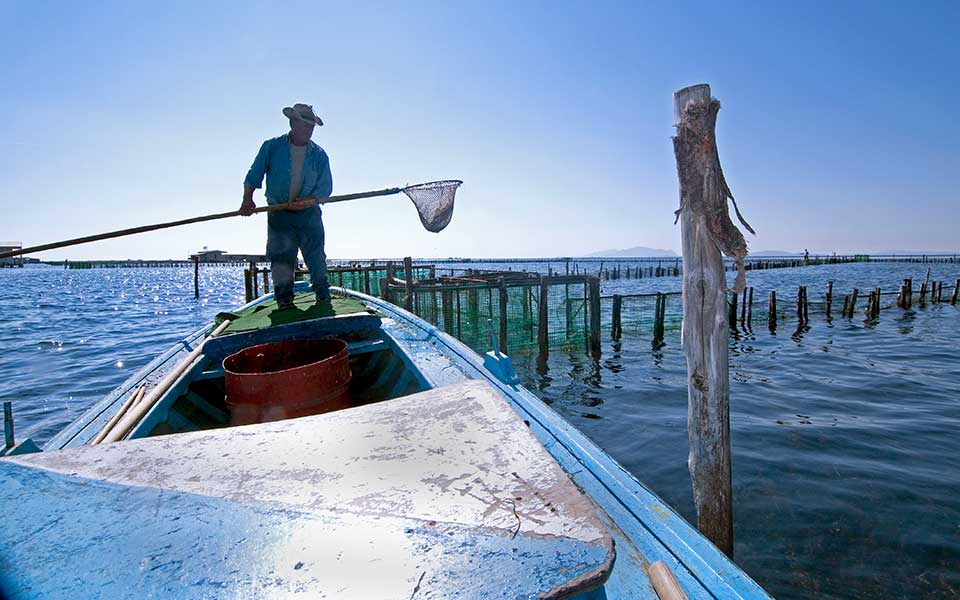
[268,314]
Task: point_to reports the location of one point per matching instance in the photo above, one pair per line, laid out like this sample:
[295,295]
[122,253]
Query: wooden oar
[225,215]
[664,582]
[143,406]
[131,402]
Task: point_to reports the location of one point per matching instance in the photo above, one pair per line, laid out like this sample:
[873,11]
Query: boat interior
[380,370]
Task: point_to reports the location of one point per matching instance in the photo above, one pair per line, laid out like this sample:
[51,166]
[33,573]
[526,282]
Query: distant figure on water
[806,256]
[298,172]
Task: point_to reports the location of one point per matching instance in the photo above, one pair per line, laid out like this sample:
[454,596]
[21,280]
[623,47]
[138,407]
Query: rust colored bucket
[283,380]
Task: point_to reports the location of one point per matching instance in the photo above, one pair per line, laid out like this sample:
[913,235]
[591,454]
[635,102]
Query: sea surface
[846,434]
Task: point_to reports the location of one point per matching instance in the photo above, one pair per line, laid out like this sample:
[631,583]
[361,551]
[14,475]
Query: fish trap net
[434,202]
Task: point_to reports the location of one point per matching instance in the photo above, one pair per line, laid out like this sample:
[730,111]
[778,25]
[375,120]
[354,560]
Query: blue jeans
[287,232]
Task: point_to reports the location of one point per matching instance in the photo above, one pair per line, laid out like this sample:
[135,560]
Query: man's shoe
[285,305]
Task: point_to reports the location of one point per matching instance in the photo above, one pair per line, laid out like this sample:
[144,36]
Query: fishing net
[434,202]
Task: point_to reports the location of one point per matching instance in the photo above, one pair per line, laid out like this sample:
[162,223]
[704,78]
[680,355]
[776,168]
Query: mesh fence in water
[367,279]
[466,308]
[469,312]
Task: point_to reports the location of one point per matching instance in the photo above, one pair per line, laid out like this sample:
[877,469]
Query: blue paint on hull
[172,544]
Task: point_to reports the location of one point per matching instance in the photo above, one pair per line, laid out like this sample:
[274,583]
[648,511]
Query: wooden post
[527,313]
[446,298]
[953,296]
[853,303]
[799,306]
[733,312]
[459,315]
[595,315]
[473,313]
[542,319]
[434,303]
[366,280]
[408,283]
[658,319]
[846,306]
[196,276]
[385,288]
[503,314]
[705,337]
[829,297]
[750,310]
[617,329]
[806,307]
[743,309]
[247,285]
[908,302]
[8,438]
[390,270]
[923,292]
[876,304]
[772,311]
[902,294]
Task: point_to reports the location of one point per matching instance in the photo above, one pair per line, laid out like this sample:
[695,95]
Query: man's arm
[254,179]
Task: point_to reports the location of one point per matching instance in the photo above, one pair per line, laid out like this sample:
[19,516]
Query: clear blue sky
[838,133]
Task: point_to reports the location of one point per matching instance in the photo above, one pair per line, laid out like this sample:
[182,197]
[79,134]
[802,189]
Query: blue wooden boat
[447,479]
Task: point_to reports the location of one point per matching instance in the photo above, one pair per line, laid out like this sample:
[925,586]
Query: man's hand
[246,209]
[301,204]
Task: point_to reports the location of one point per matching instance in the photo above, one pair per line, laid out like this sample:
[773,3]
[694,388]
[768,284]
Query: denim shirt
[274,161]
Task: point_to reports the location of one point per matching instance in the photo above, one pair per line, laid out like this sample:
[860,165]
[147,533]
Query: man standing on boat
[298,173]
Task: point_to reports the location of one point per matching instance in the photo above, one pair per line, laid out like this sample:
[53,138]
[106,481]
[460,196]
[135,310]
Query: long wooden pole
[213,217]
[132,401]
[704,223]
[143,406]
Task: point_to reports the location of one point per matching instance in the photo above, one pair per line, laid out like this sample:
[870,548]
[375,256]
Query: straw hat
[302,112]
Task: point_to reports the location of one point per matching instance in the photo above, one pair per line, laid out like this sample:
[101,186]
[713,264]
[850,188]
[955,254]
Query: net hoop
[434,202]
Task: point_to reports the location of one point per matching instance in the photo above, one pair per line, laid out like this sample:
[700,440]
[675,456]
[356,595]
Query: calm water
[846,453]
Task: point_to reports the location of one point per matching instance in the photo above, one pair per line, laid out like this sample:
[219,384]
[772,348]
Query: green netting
[468,311]
[367,279]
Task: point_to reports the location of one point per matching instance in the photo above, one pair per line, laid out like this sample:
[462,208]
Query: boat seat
[443,491]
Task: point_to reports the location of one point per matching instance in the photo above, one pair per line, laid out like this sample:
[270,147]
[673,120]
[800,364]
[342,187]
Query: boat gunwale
[709,561]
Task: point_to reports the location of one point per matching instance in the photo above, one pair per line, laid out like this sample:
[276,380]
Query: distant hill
[636,251]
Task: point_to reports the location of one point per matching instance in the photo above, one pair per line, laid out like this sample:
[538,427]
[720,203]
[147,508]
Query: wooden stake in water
[732,317]
[617,328]
[196,276]
[8,438]
[542,318]
[829,298]
[408,283]
[953,296]
[595,315]
[806,307]
[502,288]
[705,336]
[772,311]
